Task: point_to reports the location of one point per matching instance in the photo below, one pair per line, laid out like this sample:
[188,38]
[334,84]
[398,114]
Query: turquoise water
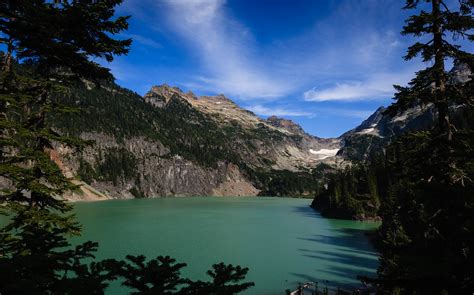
[281,240]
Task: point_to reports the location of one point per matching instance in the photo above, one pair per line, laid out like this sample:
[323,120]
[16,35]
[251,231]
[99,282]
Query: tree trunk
[7,63]
[441,101]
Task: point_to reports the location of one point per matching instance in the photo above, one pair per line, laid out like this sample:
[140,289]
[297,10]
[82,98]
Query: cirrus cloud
[224,47]
[277,111]
[377,86]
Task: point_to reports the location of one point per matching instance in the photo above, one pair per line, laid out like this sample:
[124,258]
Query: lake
[282,240]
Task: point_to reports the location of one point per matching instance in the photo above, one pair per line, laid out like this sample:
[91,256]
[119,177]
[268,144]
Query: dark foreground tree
[37,258]
[442,27]
[48,49]
[162,276]
[157,276]
[427,236]
[226,279]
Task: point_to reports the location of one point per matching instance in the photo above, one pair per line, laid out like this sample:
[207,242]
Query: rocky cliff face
[375,133]
[278,141]
[170,143]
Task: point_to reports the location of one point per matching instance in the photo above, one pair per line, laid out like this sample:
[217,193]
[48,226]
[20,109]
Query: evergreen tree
[226,280]
[354,192]
[51,43]
[157,276]
[63,35]
[443,27]
[162,276]
[426,238]
[49,46]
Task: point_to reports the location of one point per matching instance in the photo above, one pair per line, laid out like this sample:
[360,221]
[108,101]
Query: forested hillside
[137,149]
[357,190]
[420,184]
[49,47]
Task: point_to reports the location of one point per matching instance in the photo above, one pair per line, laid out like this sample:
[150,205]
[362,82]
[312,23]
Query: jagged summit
[281,140]
[165,90]
[222,108]
[285,124]
[159,96]
[377,131]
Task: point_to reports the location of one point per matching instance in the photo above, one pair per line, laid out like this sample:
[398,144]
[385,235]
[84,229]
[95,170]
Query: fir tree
[157,276]
[162,276]
[226,280]
[51,43]
[426,239]
[49,46]
[443,27]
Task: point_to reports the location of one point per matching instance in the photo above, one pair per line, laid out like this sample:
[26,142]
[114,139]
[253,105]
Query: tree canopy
[49,48]
[442,27]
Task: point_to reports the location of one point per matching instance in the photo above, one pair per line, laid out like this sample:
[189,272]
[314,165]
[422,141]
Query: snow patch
[324,153]
[365,131]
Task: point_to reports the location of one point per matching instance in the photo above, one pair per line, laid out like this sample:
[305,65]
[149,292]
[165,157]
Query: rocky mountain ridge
[171,143]
[295,149]
[379,129]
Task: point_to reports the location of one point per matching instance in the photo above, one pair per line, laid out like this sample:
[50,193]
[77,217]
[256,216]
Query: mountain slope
[169,143]
[376,133]
[257,141]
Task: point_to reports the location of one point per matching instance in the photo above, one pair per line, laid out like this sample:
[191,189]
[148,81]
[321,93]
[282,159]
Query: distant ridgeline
[170,143]
[356,191]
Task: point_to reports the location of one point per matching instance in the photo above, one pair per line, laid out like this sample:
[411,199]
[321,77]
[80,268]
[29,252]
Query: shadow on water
[307,211]
[344,252]
[350,240]
[367,262]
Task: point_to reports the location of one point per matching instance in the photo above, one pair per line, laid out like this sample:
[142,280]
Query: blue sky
[326,64]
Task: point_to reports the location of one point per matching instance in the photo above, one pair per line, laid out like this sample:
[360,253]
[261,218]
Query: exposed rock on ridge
[375,133]
[171,143]
[284,142]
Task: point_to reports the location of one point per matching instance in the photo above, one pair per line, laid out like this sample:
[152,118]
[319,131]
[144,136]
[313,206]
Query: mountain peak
[285,124]
[159,96]
[164,90]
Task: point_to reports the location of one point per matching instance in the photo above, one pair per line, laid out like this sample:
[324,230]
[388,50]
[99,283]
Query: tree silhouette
[49,46]
[157,276]
[226,279]
[443,27]
[162,276]
[48,49]
[426,239]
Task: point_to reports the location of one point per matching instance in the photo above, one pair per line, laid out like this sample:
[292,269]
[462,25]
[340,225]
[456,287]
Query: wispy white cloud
[308,112]
[235,66]
[228,59]
[378,86]
[277,111]
[224,47]
[348,113]
[348,92]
